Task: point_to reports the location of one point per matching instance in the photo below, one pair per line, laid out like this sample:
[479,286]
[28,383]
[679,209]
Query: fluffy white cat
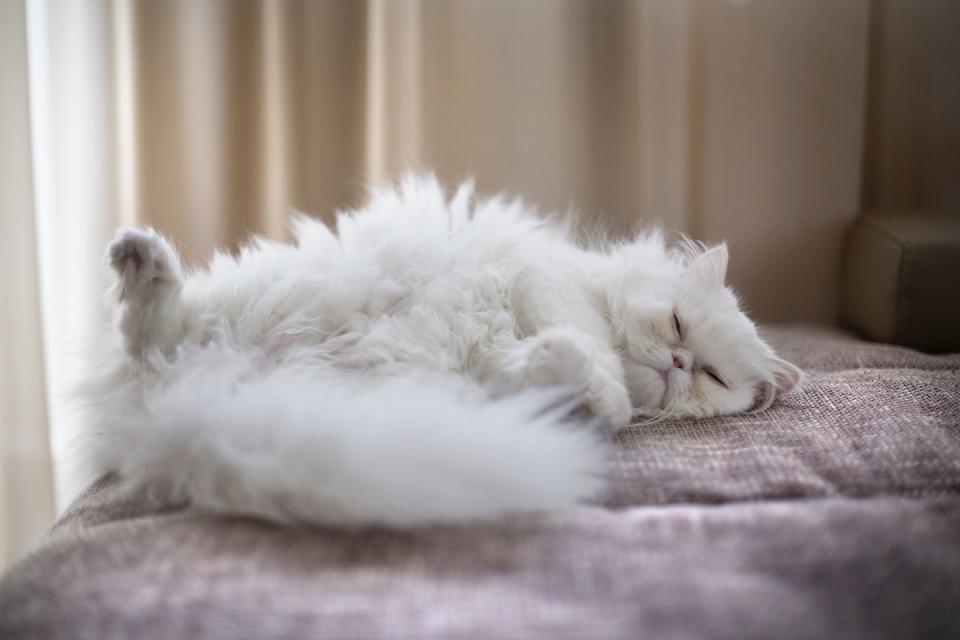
[435,359]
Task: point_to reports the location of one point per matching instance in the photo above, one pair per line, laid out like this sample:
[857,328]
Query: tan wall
[912,156]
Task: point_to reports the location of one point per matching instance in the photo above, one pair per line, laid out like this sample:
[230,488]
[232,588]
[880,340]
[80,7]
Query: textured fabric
[896,286]
[872,420]
[836,514]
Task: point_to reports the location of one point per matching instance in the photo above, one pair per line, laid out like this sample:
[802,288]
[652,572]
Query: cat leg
[562,356]
[149,281]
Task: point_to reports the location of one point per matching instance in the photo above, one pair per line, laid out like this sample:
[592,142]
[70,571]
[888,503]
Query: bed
[835,514]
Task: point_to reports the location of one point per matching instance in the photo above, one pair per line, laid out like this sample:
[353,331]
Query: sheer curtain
[211,120]
[26,481]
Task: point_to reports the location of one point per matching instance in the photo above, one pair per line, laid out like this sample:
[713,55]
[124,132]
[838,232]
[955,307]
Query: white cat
[421,365]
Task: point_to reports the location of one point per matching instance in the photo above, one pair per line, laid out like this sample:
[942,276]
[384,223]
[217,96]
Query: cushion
[900,280]
[834,514]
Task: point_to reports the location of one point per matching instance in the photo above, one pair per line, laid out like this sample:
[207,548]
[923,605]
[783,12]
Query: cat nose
[680,361]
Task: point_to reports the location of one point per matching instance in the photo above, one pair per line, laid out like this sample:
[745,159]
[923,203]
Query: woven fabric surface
[835,514]
[887,423]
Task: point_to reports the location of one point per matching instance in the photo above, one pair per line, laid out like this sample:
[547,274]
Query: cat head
[687,347]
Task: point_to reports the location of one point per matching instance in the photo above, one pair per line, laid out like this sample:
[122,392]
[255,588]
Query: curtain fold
[728,120]
[26,476]
[212,120]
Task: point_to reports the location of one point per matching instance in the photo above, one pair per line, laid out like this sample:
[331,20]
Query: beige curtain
[26,480]
[210,120]
[736,120]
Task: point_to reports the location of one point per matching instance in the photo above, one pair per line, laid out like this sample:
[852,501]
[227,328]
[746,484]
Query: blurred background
[770,124]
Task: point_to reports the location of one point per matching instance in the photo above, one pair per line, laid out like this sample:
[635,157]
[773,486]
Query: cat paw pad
[142,256]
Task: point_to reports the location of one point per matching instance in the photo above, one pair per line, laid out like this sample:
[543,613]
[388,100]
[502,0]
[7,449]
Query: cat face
[688,349]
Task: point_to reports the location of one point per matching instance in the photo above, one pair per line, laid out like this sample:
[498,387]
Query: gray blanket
[834,515]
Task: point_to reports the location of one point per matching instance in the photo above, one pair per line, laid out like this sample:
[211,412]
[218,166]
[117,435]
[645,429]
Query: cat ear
[710,267]
[786,376]
[765,394]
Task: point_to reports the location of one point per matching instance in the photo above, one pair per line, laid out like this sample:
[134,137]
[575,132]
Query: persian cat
[433,359]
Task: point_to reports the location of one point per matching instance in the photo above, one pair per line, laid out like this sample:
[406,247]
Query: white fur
[419,365]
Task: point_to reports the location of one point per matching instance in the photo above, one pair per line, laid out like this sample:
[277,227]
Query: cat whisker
[659,416]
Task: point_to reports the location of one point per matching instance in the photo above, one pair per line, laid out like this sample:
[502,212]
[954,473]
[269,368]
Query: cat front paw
[563,356]
[141,257]
[559,357]
[609,400]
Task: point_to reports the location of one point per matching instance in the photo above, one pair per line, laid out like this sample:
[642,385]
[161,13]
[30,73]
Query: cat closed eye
[676,325]
[715,376]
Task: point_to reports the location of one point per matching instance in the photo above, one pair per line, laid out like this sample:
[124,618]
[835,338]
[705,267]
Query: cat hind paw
[141,257]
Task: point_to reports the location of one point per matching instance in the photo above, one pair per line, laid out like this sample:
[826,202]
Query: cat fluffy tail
[289,448]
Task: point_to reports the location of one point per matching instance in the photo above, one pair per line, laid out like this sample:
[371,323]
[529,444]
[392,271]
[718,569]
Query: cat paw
[559,357]
[609,400]
[142,257]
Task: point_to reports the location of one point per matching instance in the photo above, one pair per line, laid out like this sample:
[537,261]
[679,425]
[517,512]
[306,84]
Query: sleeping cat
[436,359]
